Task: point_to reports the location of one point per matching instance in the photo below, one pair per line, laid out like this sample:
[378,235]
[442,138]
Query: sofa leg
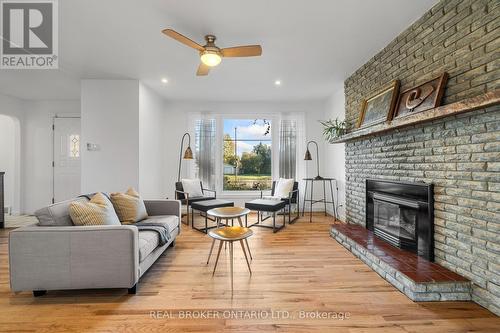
[38,293]
[133,290]
[173,243]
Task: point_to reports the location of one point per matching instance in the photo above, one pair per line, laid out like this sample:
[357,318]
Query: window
[74,146]
[247,161]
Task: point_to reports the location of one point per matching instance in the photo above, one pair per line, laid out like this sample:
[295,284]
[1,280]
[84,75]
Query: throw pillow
[98,211]
[283,187]
[192,187]
[57,214]
[129,206]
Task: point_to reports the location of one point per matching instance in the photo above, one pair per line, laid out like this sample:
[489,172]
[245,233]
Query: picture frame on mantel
[423,97]
[379,107]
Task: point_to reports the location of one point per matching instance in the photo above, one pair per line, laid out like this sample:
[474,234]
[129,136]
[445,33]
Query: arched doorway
[10,153]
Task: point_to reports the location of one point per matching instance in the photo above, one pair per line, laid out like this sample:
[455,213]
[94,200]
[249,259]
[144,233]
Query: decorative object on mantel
[333,128]
[307,157]
[379,108]
[188,154]
[467,105]
[426,96]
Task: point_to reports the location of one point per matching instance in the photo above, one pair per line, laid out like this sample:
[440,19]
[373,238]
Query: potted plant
[333,129]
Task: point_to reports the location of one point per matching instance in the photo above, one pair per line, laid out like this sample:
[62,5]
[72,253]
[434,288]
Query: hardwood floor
[297,269]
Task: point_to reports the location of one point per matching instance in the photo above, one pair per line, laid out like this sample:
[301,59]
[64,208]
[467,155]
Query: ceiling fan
[210,54]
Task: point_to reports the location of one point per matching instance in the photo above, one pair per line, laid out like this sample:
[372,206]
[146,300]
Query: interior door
[66,158]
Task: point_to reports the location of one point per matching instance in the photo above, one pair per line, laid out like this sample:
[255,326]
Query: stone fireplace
[459,154]
[402,214]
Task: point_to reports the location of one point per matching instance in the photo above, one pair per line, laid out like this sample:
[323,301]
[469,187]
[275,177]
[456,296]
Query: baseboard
[340,217]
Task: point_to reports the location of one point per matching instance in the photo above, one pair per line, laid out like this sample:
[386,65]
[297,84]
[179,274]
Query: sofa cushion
[98,211]
[265,205]
[171,221]
[129,206]
[148,242]
[57,214]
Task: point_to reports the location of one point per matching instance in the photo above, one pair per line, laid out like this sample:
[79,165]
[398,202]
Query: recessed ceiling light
[164,80]
[277,83]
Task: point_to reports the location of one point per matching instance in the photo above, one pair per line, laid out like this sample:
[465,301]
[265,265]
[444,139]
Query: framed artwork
[379,108]
[426,96]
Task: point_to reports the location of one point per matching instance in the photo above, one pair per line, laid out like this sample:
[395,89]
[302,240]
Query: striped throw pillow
[129,206]
[98,211]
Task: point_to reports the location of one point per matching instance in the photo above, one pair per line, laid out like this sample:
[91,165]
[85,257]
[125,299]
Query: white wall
[38,147]
[177,123]
[174,126]
[33,120]
[110,118]
[13,109]
[334,162]
[139,136]
[151,144]
[8,159]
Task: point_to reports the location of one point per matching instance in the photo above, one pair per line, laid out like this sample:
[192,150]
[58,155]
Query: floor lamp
[308,157]
[188,154]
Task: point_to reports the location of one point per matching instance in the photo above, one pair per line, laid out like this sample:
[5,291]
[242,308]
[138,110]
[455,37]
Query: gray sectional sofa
[56,255]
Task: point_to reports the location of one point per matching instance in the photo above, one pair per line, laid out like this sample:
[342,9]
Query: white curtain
[288,148]
[205,152]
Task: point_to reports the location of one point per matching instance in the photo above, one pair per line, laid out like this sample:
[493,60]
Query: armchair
[292,198]
[186,199]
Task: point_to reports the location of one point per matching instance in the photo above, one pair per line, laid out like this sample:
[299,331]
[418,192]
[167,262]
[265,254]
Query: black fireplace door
[402,214]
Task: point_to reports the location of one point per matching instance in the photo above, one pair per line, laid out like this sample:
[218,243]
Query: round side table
[231,235]
[228,213]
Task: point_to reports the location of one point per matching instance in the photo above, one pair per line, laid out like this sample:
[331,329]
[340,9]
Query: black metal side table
[311,200]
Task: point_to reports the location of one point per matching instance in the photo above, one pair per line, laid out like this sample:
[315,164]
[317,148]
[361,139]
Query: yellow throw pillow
[129,206]
[98,211]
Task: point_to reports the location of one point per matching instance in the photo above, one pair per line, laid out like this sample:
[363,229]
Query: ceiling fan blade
[202,70]
[242,51]
[183,39]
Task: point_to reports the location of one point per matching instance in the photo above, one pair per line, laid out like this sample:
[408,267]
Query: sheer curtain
[288,148]
[205,152]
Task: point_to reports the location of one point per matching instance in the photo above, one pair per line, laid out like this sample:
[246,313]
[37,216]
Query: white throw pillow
[192,187]
[283,187]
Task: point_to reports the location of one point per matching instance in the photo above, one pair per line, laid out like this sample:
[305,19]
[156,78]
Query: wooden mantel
[466,105]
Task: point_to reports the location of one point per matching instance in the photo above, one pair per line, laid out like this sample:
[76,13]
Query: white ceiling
[310,45]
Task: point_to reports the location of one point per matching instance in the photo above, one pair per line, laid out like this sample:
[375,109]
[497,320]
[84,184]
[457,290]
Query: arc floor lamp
[188,153]
[308,157]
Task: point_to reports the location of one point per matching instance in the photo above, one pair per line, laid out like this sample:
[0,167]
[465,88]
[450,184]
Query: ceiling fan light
[210,58]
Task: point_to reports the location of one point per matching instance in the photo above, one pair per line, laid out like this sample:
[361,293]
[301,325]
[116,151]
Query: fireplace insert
[402,214]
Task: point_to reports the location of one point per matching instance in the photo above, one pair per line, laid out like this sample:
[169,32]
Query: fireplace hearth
[402,214]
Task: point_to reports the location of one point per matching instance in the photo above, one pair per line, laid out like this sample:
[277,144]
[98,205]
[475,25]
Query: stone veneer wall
[460,154]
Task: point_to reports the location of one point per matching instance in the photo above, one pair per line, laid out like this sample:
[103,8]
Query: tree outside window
[247,154]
